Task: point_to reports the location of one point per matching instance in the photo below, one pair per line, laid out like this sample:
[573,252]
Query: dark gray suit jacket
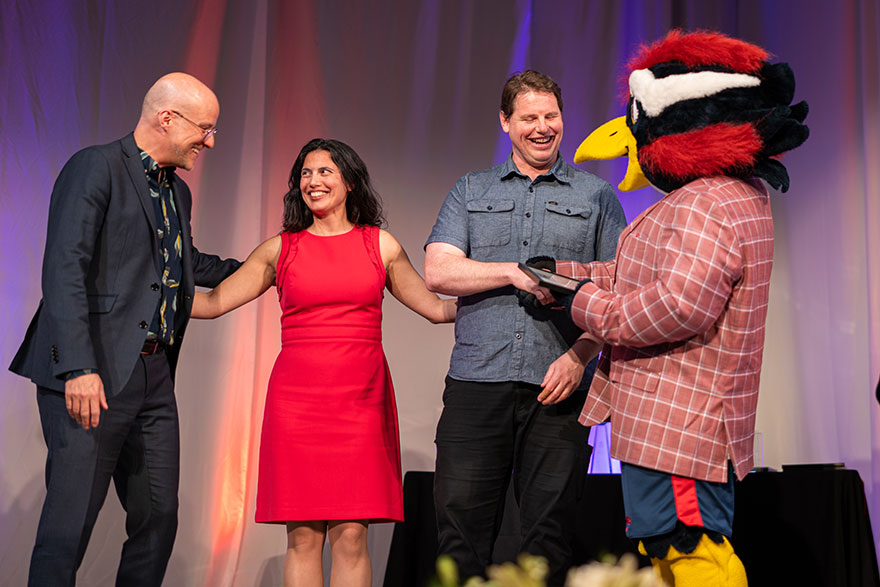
[102,270]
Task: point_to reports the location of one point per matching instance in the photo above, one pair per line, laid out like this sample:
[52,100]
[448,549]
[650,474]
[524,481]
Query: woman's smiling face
[322,185]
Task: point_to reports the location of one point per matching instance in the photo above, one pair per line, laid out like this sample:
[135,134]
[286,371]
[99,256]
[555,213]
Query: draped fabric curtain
[414,87]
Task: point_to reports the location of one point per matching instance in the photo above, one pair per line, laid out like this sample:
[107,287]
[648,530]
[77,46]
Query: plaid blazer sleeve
[601,272]
[674,277]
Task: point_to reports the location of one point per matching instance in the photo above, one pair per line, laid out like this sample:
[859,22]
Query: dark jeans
[137,445]
[487,432]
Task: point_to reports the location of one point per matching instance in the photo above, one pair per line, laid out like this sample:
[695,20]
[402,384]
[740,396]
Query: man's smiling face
[535,130]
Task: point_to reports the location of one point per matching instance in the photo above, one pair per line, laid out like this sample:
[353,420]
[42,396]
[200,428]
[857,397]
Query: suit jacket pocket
[101,303]
[633,378]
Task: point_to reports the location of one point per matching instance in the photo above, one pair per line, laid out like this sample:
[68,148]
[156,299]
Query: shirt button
[531,190]
[525,243]
[154,287]
[517,336]
[143,324]
[528,214]
[488,207]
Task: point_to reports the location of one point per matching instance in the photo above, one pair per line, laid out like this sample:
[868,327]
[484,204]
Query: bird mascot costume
[681,309]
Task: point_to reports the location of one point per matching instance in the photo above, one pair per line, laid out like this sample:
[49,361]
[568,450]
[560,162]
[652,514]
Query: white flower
[606,574]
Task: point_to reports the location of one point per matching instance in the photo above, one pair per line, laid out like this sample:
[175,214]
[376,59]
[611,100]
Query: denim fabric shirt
[500,215]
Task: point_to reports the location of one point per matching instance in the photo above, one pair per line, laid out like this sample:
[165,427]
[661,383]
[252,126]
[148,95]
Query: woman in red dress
[329,450]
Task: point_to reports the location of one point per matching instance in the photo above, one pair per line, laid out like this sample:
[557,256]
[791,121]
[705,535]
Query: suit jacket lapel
[135,167]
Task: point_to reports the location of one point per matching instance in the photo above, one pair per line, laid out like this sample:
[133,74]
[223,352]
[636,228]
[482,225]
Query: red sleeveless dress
[330,448]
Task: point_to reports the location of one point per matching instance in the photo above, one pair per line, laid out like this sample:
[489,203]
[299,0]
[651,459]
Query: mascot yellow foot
[709,565]
[661,567]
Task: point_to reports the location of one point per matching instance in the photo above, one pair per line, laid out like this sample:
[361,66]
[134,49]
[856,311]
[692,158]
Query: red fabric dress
[330,447]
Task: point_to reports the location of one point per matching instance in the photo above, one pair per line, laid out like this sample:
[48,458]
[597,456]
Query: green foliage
[447,573]
[531,571]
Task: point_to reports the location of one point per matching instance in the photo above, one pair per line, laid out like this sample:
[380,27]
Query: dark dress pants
[136,444]
[489,433]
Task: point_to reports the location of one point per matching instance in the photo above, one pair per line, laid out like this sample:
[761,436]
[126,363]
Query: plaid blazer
[682,310]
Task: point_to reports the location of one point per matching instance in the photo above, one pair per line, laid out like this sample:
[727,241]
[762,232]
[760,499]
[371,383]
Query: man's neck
[146,141]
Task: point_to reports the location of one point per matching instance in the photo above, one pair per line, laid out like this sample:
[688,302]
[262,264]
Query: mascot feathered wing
[702,104]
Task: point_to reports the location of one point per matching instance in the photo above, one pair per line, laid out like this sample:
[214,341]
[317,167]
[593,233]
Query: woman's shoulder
[389,247]
[274,242]
[386,239]
[269,250]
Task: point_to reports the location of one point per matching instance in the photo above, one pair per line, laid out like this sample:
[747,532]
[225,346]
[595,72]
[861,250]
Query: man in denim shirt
[517,378]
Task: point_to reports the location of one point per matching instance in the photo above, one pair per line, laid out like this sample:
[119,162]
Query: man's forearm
[460,276]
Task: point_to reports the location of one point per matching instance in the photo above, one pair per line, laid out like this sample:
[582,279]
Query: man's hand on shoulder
[84,397]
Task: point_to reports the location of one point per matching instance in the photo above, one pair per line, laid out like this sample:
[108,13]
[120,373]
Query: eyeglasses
[206,131]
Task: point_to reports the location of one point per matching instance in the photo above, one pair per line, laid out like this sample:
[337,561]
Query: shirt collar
[151,167]
[560,171]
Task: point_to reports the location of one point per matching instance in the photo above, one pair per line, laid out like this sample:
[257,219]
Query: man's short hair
[527,81]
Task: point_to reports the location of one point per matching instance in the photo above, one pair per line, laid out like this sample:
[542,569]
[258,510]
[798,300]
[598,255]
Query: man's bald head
[174,91]
[177,121]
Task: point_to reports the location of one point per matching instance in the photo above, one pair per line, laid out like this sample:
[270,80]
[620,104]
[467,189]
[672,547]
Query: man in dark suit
[118,278]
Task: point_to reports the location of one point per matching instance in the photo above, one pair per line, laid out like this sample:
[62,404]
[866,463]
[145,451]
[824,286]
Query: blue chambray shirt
[500,215]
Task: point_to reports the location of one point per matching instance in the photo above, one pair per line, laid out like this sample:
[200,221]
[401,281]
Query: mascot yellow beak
[611,140]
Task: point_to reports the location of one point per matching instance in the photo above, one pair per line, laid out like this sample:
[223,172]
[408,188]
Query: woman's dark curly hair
[363,205]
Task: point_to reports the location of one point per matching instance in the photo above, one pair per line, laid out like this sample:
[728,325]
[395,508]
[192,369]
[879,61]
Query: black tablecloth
[791,528]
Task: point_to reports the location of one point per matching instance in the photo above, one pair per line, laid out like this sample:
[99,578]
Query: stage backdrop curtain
[414,87]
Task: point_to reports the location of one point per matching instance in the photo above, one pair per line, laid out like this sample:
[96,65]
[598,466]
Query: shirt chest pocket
[568,226]
[489,222]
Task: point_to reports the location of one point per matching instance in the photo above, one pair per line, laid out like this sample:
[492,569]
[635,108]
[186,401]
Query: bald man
[119,272]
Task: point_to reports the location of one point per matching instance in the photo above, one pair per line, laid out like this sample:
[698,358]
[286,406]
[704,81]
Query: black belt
[151,347]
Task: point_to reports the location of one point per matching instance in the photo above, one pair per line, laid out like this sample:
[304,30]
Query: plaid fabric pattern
[683,309]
